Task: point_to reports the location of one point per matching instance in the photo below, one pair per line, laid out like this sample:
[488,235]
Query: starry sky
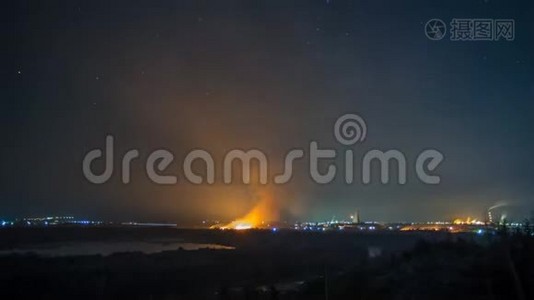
[271,75]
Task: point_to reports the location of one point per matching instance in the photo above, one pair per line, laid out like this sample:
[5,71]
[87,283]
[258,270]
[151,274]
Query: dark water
[107,248]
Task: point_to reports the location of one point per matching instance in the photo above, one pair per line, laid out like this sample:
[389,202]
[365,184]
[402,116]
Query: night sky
[272,75]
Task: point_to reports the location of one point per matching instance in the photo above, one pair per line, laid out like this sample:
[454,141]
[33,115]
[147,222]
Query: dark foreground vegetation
[274,265]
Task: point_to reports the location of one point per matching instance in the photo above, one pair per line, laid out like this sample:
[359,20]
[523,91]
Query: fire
[265,211]
[467,221]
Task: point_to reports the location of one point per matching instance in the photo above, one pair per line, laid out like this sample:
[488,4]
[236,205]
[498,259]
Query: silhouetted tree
[274,293]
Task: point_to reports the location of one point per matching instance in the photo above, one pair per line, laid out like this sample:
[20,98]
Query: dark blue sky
[272,75]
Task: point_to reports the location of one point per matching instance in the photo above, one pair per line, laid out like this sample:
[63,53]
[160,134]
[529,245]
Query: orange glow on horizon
[265,211]
[467,221]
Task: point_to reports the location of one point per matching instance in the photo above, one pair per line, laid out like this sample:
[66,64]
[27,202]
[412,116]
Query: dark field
[269,265]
